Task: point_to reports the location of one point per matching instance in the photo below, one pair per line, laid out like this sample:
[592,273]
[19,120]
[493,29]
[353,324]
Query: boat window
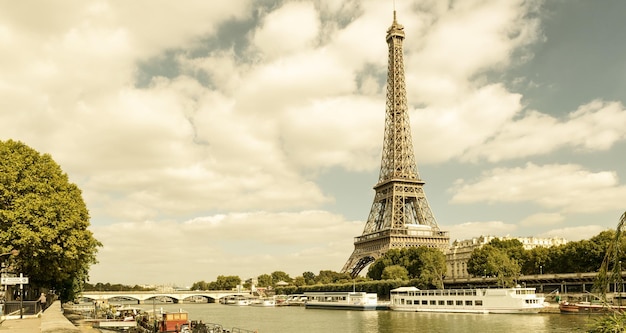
[449,302]
[478,302]
[468,303]
[459,303]
[433,302]
[424,302]
[442,302]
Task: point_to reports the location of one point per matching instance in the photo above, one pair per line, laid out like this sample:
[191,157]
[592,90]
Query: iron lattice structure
[400,216]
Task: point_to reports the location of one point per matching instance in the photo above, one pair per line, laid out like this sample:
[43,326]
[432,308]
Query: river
[301,320]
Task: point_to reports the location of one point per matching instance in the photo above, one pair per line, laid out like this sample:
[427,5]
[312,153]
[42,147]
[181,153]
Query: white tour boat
[497,300]
[342,301]
[237,300]
[264,302]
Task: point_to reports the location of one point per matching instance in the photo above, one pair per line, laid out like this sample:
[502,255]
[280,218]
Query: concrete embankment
[552,308]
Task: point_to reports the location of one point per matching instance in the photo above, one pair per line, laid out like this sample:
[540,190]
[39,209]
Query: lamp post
[541,269]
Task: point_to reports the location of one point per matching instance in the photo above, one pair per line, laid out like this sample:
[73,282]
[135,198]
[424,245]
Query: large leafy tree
[264,280]
[493,261]
[309,277]
[278,276]
[395,272]
[537,260]
[44,216]
[425,264]
[224,282]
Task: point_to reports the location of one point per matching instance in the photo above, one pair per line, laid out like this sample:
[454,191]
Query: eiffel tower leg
[356,263]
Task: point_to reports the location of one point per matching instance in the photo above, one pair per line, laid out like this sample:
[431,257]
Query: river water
[300,320]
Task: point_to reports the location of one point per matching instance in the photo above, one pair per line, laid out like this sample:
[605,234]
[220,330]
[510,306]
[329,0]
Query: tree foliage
[265,280]
[44,216]
[309,277]
[114,287]
[494,261]
[224,283]
[278,276]
[426,265]
[327,277]
[395,272]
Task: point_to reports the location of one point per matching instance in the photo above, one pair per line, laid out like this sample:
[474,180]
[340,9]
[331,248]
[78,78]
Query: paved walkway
[50,321]
[25,325]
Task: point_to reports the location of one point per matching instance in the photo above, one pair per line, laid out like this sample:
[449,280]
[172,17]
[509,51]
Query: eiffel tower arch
[400,216]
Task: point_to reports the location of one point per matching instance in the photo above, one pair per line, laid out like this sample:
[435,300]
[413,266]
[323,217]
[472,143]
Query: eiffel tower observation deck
[400,216]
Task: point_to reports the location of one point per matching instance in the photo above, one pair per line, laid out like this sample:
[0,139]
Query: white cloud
[443,133]
[567,187]
[335,132]
[592,127]
[242,244]
[542,219]
[294,27]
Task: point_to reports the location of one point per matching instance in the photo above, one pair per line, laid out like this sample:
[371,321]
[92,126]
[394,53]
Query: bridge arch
[177,296]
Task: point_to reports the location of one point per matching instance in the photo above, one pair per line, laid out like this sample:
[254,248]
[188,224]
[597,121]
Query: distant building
[461,250]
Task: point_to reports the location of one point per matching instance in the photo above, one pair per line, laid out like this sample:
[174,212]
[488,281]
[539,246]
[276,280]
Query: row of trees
[113,287]
[507,259]
[271,280]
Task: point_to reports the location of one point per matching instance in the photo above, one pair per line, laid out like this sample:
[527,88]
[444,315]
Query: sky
[244,137]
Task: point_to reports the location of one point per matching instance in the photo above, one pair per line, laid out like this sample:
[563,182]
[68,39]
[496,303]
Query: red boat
[168,322]
[589,308]
[174,321]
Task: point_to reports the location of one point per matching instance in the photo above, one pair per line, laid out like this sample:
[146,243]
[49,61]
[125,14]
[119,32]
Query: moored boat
[342,301]
[264,302]
[497,300]
[151,321]
[119,319]
[237,301]
[589,308]
[295,300]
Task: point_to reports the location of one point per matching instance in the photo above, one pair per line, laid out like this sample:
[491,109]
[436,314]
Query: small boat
[497,300]
[237,301]
[263,302]
[295,300]
[120,319]
[589,308]
[342,301]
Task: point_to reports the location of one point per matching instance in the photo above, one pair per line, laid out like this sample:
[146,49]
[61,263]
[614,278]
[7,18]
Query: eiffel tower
[400,216]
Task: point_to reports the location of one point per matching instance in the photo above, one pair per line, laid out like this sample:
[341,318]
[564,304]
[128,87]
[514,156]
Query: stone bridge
[180,296]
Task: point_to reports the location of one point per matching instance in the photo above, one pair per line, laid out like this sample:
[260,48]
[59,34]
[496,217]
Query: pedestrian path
[25,325]
[51,320]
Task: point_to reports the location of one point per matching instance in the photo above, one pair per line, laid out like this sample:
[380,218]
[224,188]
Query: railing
[23,308]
